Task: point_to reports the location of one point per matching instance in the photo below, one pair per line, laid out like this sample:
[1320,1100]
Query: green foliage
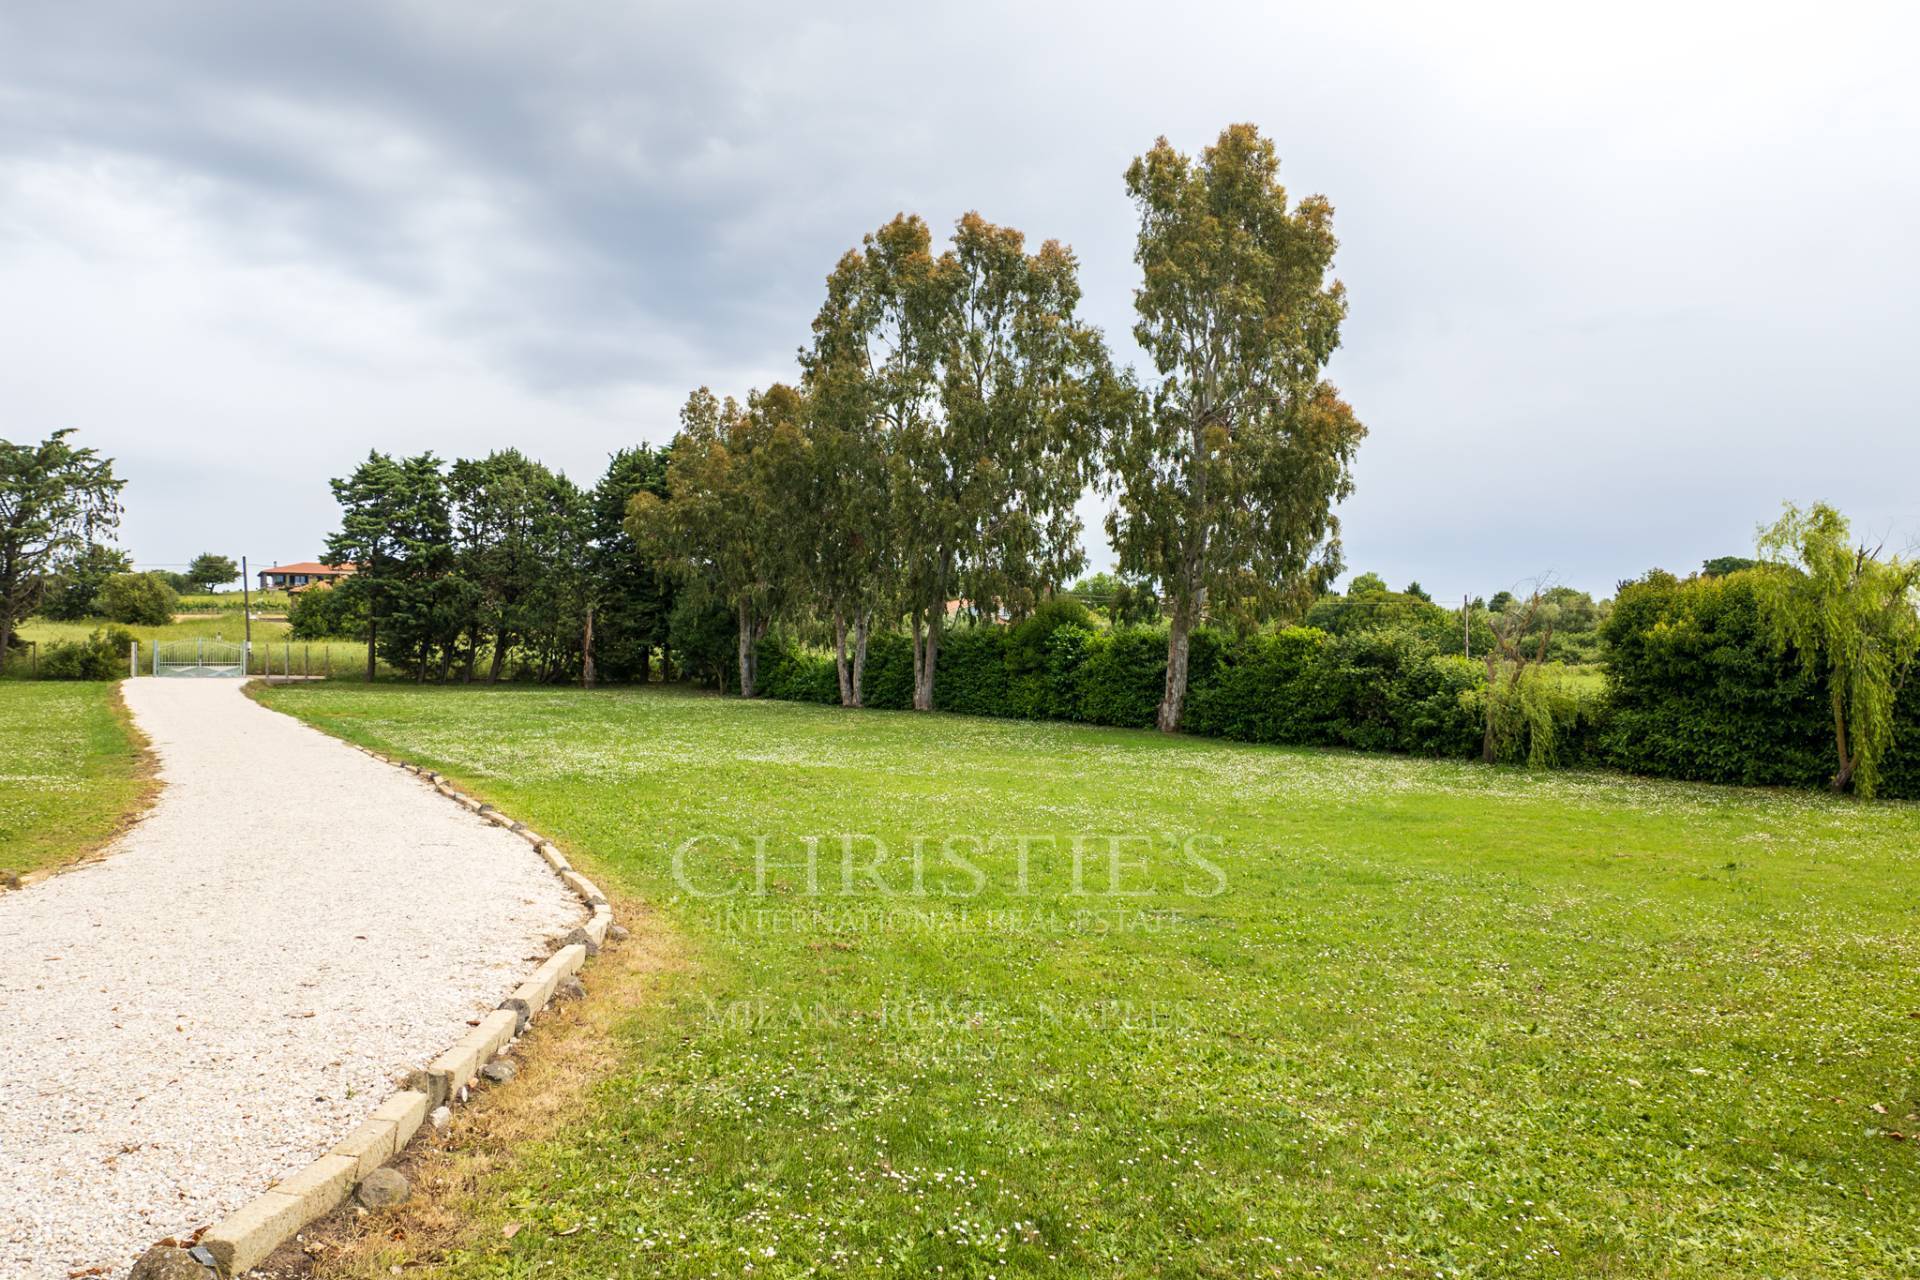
[973,672]
[1850,617]
[1699,691]
[137,599]
[55,502]
[71,593]
[1032,675]
[701,634]
[1226,484]
[889,682]
[327,613]
[1367,584]
[631,601]
[209,571]
[1721,566]
[101,656]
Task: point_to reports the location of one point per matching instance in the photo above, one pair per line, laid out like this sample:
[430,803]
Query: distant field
[1290,1013]
[341,657]
[69,770]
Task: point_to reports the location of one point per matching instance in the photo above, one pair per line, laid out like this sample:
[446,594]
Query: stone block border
[248,1235]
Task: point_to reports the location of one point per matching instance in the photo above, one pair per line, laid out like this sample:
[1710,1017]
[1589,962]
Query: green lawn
[69,770]
[1425,1019]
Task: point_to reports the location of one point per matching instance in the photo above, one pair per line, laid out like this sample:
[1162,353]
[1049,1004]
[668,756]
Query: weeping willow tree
[1849,616]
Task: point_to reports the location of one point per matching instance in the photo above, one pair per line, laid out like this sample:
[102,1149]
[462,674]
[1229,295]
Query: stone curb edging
[248,1235]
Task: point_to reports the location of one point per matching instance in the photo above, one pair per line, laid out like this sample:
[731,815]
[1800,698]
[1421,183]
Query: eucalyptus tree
[56,501]
[1848,612]
[854,374]
[987,397]
[726,528]
[1225,484]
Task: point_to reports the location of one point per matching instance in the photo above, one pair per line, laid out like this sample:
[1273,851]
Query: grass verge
[74,771]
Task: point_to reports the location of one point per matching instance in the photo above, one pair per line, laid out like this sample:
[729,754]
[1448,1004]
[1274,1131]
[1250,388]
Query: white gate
[199,658]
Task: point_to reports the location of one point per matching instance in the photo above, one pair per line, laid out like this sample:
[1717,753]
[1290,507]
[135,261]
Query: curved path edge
[248,1235]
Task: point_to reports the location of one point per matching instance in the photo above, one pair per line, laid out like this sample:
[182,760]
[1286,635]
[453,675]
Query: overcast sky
[1622,280]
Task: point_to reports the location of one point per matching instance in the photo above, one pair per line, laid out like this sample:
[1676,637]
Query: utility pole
[246,615]
[1466,625]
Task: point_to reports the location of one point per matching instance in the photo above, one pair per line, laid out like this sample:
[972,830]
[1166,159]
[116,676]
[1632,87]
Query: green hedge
[1694,690]
[1377,691]
[1699,692]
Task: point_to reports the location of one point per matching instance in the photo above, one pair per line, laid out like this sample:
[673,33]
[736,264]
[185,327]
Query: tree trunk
[1173,699]
[499,658]
[928,656]
[373,634]
[1847,762]
[586,652]
[840,658]
[746,650]
[860,626]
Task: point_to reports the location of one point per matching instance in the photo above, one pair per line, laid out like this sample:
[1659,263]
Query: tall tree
[55,501]
[631,602]
[726,528]
[395,529]
[1850,617]
[1226,483]
[513,524]
[988,396]
[851,535]
[209,571]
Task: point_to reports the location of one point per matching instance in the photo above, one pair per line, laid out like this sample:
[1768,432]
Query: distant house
[298,577]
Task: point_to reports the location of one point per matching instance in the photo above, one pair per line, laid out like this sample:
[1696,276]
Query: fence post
[133,658]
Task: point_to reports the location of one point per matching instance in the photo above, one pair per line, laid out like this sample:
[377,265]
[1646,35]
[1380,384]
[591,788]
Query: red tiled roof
[309,567]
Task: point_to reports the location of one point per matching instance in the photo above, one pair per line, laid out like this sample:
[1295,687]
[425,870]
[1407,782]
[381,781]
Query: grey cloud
[1620,281]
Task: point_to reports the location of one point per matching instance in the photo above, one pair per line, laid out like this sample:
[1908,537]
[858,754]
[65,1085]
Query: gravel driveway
[241,981]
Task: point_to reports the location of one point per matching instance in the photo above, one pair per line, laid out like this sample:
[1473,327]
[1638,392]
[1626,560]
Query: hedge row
[1695,689]
[1698,691]
[1374,691]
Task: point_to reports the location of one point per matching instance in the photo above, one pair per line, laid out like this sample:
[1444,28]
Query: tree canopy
[1848,613]
[56,501]
[1226,481]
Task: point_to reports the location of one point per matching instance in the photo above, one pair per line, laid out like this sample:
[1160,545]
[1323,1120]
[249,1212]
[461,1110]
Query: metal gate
[199,658]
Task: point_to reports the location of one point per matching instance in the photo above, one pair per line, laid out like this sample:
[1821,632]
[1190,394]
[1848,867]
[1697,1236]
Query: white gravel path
[242,980]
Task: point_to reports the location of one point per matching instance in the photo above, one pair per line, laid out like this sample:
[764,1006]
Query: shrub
[1263,690]
[1030,672]
[322,613]
[137,599]
[1699,692]
[1124,675]
[101,656]
[71,592]
[970,672]
[889,676]
[792,673]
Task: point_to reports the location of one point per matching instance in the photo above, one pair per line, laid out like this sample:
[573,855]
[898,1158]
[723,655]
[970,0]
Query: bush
[137,599]
[970,671]
[1699,692]
[71,592]
[889,675]
[795,674]
[101,656]
[326,613]
[1123,676]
